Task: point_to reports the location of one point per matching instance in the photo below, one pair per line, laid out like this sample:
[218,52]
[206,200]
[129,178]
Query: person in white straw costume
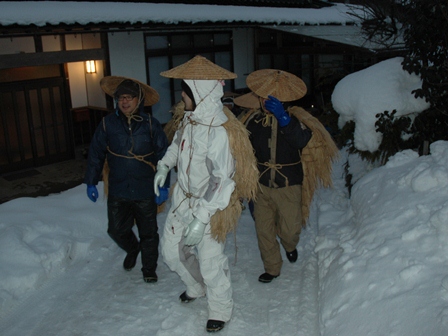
[192,244]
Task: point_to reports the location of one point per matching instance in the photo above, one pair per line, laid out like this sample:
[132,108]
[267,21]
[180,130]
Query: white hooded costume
[205,167]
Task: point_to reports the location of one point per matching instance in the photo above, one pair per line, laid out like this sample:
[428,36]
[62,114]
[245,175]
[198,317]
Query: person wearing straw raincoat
[281,139]
[193,242]
[129,142]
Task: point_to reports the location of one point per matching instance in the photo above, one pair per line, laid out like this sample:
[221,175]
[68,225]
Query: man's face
[188,102]
[127,104]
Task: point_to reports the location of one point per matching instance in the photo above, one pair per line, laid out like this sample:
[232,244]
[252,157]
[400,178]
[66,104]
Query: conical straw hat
[249,100]
[199,68]
[278,83]
[109,85]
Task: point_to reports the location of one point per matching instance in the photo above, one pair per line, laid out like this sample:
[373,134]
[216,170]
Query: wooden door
[35,122]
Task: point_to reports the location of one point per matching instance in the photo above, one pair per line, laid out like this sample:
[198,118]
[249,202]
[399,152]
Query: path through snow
[94,296]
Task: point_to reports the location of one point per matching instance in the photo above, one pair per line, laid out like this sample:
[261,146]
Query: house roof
[254,3]
[69,14]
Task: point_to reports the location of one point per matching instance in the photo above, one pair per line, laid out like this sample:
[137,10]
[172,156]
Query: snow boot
[185,298]
[266,277]
[149,276]
[292,256]
[215,325]
[130,260]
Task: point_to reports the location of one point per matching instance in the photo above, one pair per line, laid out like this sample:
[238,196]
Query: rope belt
[184,124]
[188,195]
[140,158]
[276,167]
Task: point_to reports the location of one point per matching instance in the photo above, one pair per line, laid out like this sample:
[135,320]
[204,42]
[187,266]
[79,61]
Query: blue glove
[194,233]
[275,106]
[92,192]
[163,195]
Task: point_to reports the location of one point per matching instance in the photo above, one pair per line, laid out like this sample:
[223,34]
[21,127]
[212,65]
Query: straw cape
[109,85]
[317,156]
[282,85]
[246,171]
[199,68]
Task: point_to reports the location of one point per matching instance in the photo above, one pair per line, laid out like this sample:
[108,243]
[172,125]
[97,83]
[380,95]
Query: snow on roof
[345,34]
[41,13]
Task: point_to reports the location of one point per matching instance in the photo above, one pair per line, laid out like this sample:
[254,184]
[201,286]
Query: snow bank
[384,271]
[382,87]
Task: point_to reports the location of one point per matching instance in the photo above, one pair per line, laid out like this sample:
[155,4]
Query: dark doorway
[34,120]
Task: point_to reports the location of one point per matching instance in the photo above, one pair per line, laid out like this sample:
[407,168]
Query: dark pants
[122,214]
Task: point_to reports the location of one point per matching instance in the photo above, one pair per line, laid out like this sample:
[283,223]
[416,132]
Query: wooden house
[50,99]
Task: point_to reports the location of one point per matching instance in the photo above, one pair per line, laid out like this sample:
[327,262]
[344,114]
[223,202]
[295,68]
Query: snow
[384,86]
[370,264]
[383,254]
[40,13]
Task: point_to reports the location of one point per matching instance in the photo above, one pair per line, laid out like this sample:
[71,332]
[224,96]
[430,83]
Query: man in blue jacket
[132,142]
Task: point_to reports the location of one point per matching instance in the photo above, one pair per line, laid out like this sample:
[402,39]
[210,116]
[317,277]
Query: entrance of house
[34,118]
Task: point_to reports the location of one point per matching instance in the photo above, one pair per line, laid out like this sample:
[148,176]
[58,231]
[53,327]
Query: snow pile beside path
[386,272]
[42,236]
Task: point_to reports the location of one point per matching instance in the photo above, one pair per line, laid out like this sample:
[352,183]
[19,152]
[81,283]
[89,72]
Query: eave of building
[17,30]
[77,16]
[350,35]
[251,3]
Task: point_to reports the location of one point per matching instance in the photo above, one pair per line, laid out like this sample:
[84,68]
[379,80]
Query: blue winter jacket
[128,149]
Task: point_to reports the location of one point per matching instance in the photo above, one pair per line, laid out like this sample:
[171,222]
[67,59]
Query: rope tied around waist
[140,158]
[276,167]
[188,195]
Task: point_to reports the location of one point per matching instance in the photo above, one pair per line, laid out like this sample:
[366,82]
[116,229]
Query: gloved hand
[92,192]
[159,179]
[194,233]
[275,106]
[163,195]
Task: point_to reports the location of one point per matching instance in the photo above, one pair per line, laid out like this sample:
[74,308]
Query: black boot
[215,325]
[292,256]
[149,276]
[266,277]
[185,298]
[130,260]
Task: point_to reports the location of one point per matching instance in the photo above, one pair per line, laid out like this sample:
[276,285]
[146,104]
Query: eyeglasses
[126,98]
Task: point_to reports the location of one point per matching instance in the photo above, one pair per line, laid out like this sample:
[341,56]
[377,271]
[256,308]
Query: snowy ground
[70,281]
[372,264]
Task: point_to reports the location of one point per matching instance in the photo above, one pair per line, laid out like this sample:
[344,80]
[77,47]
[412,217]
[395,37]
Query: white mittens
[195,232]
[159,179]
